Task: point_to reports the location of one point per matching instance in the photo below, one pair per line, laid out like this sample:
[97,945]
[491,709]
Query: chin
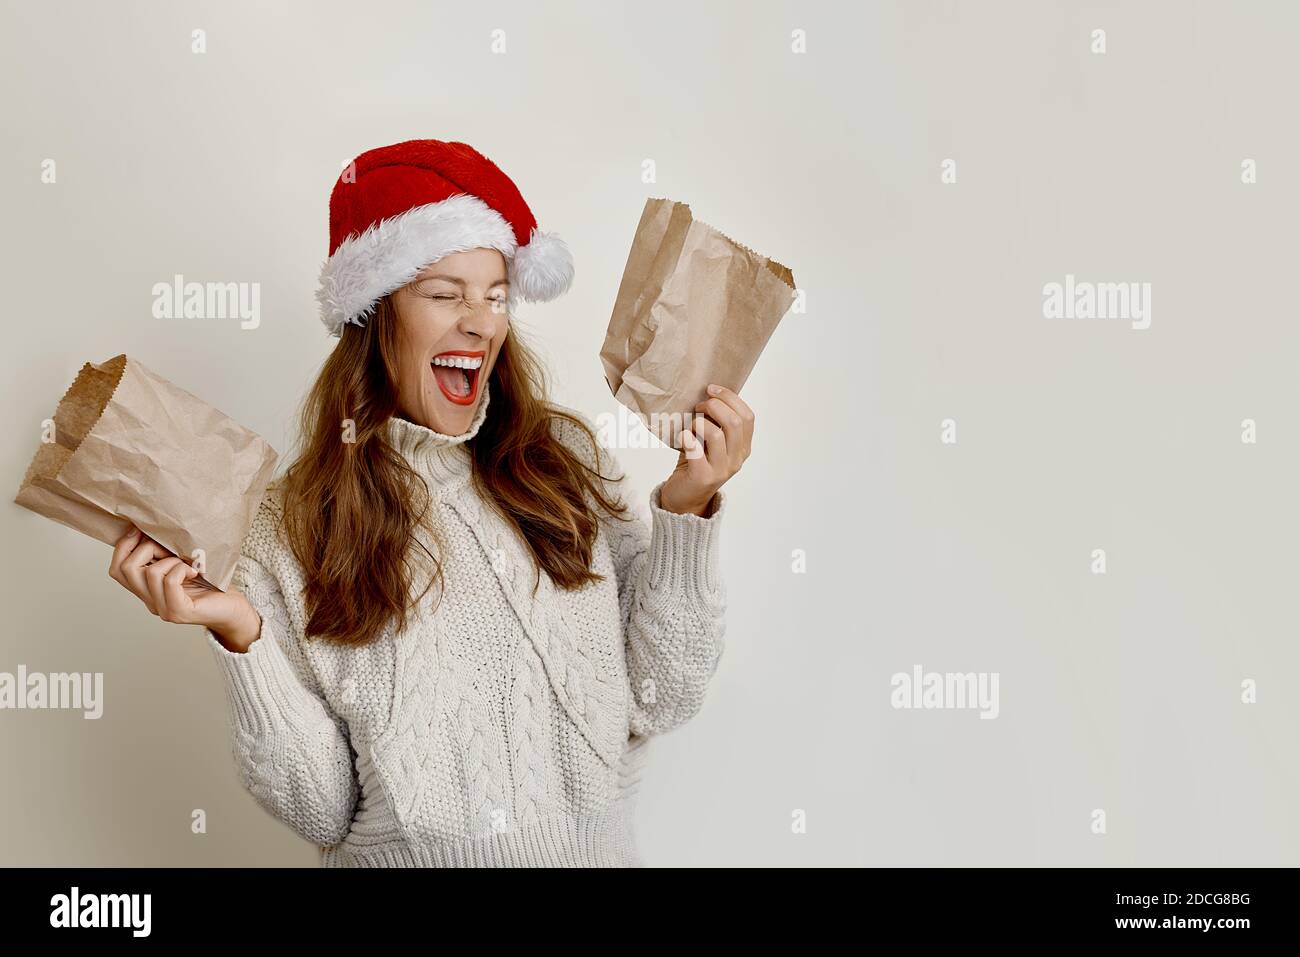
[442,420]
[457,426]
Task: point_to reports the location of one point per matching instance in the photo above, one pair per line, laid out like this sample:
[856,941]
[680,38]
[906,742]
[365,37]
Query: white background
[1119,692]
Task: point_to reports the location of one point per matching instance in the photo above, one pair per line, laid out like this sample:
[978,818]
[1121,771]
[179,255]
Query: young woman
[449,636]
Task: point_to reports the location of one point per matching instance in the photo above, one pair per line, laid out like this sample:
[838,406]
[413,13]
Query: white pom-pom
[542,269]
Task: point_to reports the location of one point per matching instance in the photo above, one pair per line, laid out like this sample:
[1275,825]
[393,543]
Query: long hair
[352,503]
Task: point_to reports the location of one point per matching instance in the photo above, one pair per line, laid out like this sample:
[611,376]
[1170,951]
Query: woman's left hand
[724,425]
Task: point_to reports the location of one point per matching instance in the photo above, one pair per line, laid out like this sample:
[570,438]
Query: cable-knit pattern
[292,754]
[504,725]
[483,772]
[533,612]
[528,719]
[423,727]
[671,598]
[255,765]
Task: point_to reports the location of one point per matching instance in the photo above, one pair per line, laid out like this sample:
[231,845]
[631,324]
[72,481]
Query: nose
[477,322]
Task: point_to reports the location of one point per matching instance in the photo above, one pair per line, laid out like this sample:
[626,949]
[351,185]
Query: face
[452,321]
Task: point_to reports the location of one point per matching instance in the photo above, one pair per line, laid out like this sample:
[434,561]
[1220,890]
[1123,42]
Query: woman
[448,636]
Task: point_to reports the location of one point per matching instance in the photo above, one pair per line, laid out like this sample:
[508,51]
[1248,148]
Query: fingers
[736,418]
[132,569]
[713,449]
[153,578]
[739,406]
[130,538]
[733,427]
[178,605]
[692,449]
[714,440]
[153,574]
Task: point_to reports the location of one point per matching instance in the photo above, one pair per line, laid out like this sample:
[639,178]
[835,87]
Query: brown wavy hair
[351,508]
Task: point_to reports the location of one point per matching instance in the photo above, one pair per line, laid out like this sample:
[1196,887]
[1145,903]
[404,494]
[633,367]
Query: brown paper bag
[694,307]
[129,447]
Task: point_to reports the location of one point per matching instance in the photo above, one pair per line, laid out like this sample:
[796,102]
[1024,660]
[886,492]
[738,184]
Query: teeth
[458,362]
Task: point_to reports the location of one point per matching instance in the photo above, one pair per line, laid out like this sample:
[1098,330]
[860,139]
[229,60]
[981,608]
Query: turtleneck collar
[442,458]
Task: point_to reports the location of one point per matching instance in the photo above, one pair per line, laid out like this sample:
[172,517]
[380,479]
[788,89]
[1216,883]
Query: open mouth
[457,375]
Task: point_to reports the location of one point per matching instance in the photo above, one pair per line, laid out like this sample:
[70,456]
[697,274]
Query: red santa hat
[396,209]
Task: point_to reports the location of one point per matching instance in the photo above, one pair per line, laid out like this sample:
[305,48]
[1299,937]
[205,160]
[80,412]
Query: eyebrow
[461,282]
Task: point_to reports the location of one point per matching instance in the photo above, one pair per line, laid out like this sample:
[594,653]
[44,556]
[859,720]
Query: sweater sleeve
[292,752]
[673,601]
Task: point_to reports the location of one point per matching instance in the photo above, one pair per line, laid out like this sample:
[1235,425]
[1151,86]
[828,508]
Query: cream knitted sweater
[501,728]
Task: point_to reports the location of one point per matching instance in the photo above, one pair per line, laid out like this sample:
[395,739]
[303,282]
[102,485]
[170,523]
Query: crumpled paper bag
[694,307]
[127,447]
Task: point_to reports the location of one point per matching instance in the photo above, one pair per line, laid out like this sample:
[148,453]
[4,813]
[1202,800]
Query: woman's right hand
[169,588]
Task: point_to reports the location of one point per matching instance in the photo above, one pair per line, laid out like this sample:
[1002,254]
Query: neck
[436,455]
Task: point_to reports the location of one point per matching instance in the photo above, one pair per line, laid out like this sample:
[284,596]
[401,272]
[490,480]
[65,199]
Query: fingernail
[714,390]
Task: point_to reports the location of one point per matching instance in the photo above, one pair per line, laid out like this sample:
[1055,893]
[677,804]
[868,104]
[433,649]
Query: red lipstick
[459,381]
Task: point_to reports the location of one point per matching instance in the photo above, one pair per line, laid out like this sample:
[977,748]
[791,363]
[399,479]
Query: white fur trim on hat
[392,252]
